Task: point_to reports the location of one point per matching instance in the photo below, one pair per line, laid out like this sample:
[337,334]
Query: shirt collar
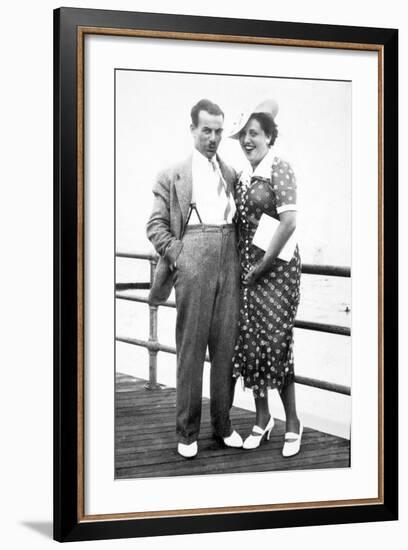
[263,170]
[201,161]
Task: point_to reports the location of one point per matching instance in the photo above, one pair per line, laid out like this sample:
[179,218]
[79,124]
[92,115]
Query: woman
[263,355]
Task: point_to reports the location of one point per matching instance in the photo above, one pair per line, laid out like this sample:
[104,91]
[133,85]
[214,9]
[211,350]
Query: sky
[314,122]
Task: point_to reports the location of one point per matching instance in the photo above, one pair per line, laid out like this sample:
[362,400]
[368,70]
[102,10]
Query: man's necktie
[222,186]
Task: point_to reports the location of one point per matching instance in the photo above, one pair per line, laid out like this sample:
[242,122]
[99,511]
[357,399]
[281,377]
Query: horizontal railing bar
[144,300]
[330,270]
[307,325]
[132,286]
[151,346]
[138,256]
[323,327]
[323,385]
[312,382]
[310,269]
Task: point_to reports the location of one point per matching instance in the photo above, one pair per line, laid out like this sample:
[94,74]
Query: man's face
[207,134]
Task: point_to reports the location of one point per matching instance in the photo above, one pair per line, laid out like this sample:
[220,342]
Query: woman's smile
[254,142]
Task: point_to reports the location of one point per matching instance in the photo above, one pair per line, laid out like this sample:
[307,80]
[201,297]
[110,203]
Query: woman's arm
[282,234]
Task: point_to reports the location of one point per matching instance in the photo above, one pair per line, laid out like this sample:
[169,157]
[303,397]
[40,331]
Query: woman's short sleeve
[284,186]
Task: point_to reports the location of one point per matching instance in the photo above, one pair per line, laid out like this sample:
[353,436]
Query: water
[317,355]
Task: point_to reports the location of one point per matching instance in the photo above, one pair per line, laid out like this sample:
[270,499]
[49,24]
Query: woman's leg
[289,403]
[262,411]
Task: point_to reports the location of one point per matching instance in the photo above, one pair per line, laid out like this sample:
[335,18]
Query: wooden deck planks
[145,441]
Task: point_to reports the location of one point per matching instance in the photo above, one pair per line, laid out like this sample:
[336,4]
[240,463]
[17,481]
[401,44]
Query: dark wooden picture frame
[70,26]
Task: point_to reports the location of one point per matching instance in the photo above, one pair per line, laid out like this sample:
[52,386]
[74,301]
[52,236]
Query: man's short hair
[204,105]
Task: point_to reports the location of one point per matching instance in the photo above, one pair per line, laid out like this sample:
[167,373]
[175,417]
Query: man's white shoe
[188,451]
[233,440]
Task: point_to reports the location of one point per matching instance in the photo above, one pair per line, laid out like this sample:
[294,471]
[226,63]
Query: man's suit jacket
[172,198]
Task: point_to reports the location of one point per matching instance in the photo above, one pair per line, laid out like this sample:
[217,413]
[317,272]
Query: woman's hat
[268,106]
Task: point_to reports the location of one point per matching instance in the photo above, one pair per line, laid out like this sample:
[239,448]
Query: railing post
[152,383]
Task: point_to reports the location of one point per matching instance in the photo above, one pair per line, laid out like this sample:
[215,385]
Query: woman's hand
[284,230]
[252,275]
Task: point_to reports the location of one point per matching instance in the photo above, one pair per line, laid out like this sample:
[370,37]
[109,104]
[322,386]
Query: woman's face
[254,142]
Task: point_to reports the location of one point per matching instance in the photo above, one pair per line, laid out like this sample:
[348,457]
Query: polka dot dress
[263,354]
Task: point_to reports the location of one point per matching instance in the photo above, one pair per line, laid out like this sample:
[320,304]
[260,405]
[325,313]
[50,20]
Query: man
[191,228]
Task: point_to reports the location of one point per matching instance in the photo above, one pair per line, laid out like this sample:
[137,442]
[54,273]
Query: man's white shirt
[211,204]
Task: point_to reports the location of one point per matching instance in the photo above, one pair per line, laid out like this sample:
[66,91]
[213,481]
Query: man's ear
[192,127]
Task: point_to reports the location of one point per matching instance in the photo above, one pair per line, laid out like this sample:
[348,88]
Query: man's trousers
[207,298]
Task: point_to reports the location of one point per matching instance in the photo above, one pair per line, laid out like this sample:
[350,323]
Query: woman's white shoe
[253,441]
[292,442]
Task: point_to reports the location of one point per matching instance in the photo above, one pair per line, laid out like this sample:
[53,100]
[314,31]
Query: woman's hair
[267,124]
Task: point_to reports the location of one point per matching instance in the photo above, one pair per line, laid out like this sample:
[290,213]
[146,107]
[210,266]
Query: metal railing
[154,346]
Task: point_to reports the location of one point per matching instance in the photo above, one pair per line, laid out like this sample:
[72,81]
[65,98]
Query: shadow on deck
[145,440]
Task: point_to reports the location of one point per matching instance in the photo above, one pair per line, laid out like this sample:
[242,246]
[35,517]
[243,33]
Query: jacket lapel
[184,186]
[228,175]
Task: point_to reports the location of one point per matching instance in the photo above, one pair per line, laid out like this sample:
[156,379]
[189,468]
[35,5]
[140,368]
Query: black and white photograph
[233,273]
[226,222]
[203,238]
